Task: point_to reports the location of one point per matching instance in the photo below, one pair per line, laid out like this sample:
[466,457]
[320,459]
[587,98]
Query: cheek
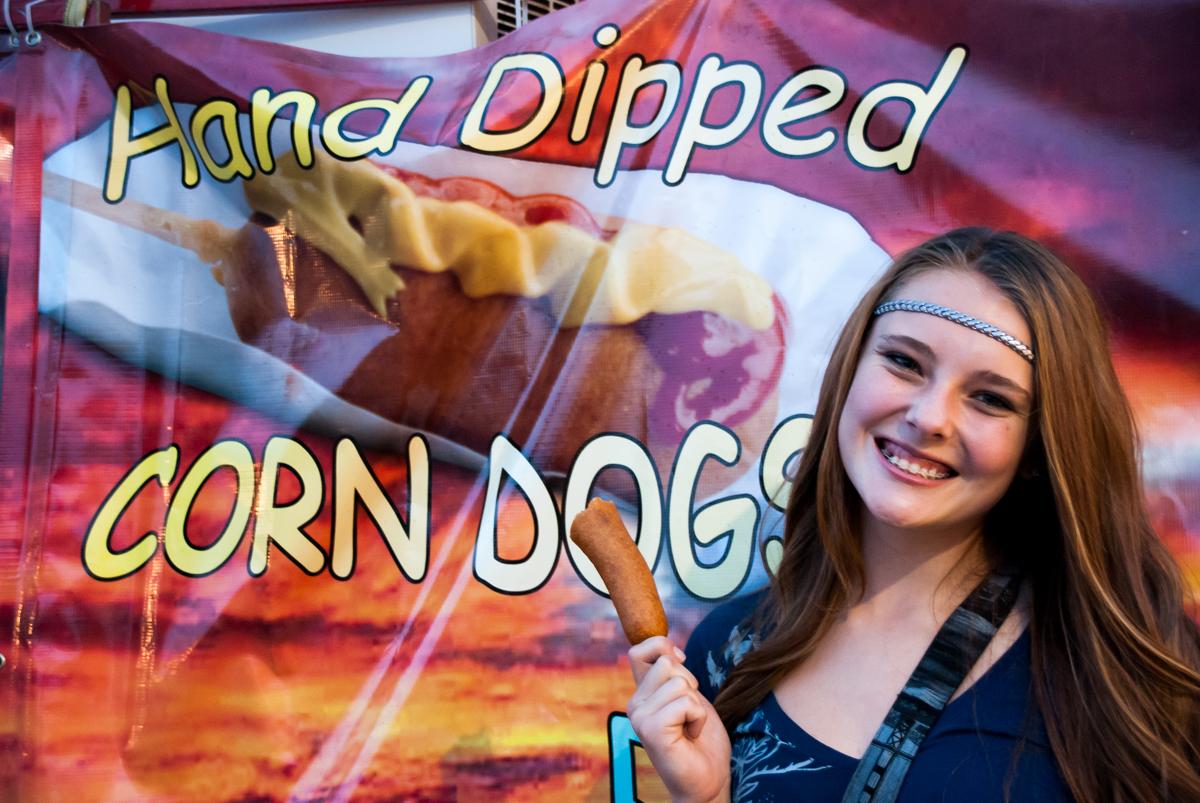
[847,422]
[873,396]
[856,415]
[996,450]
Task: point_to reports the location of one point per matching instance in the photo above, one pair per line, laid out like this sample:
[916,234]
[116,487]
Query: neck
[918,576]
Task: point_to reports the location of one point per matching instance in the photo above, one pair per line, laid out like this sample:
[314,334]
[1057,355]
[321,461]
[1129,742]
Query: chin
[899,512]
[900,521]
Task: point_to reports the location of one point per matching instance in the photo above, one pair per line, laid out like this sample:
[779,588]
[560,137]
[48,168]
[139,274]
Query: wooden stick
[208,239]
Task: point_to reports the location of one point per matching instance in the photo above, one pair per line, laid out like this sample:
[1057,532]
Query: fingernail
[680,654]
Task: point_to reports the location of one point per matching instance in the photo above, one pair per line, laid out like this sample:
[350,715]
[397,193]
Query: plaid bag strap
[954,650]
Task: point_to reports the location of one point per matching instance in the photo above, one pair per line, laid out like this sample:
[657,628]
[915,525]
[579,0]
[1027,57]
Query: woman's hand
[679,729]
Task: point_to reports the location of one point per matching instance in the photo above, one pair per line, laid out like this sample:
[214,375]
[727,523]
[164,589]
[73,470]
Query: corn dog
[603,538]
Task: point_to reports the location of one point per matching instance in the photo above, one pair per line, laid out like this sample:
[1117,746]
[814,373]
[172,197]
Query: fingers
[665,674]
[679,729]
[674,688]
[673,707]
[693,711]
[677,711]
[643,655]
[667,699]
[661,672]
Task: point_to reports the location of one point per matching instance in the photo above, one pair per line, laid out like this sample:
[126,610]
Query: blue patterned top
[989,740]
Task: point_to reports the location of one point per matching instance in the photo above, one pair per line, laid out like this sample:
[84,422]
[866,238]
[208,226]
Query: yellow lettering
[474,133]
[787,440]
[593,78]
[237,164]
[98,558]
[122,147]
[284,524]
[621,451]
[585,106]
[774,474]
[186,558]
[693,131]
[354,481]
[635,77]
[924,103]
[384,140]
[265,108]
[734,518]
[779,113]
[531,572]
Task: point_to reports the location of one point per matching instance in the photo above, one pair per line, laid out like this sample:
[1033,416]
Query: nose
[930,412]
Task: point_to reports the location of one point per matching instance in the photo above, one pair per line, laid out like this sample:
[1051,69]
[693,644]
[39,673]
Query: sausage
[602,536]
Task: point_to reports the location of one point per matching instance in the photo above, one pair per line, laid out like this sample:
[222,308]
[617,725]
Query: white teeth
[912,468]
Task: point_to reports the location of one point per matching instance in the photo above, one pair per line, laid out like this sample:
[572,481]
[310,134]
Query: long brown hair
[1115,655]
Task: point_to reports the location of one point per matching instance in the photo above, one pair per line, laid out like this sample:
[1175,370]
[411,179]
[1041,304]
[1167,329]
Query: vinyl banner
[310,361]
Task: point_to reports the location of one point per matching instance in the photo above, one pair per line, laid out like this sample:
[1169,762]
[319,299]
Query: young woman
[971,482]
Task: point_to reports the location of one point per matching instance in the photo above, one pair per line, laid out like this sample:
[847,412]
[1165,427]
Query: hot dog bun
[602,536]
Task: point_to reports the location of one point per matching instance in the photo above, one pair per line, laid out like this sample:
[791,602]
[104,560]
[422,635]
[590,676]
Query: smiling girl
[971,603]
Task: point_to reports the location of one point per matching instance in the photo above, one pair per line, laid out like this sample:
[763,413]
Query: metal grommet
[14,41]
[33,38]
[2,660]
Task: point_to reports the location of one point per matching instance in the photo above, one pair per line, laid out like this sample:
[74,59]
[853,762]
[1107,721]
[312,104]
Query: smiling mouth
[909,463]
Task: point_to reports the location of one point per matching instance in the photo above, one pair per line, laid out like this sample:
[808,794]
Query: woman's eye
[901,361]
[995,401]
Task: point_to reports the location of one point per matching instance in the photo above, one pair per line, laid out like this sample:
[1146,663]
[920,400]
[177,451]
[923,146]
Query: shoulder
[1007,637]
[990,742]
[721,639]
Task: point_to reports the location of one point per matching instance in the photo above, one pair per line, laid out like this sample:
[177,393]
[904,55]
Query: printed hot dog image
[533,319]
[452,307]
[603,538]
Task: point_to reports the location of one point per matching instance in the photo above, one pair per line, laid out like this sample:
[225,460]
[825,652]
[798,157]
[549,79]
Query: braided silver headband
[960,318]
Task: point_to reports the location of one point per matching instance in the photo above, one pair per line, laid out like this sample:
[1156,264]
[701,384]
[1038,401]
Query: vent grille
[512,14]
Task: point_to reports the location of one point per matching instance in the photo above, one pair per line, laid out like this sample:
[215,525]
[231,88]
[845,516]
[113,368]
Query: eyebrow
[914,344]
[989,376]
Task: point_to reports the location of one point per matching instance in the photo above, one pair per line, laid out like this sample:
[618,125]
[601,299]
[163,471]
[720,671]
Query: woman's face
[935,422]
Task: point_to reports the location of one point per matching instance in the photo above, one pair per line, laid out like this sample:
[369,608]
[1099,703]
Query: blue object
[987,742]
